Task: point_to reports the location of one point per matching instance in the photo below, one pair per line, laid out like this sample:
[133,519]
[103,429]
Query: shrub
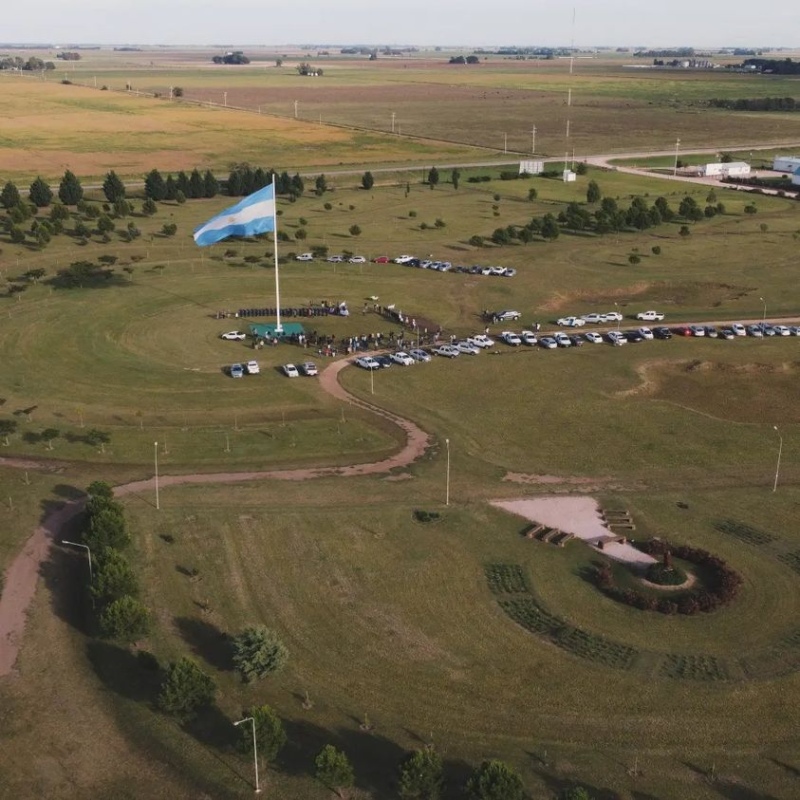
[258,652]
[185,689]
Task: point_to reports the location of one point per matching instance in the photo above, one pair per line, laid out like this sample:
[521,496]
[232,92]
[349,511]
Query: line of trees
[756,103]
[245,179]
[32,64]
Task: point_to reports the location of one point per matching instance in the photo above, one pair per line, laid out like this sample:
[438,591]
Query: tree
[114,578]
[70,191]
[40,193]
[7,427]
[177,91]
[105,224]
[113,187]
[367,181]
[333,769]
[633,259]
[495,780]
[476,241]
[321,185]
[122,208]
[297,185]
[59,213]
[17,234]
[581,169]
[270,735]
[149,207]
[210,184]
[96,438]
[421,775]
[455,177]
[49,435]
[180,197]
[9,197]
[550,229]
[169,229]
[355,230]
[154,186]
[433,177]
[82,230]
[185,689]
[300,234]
[100,493]
[258,652]
[751,209]
[107,528]
[593,193]
[170,188]
[532,194]
[656,250]
[125,620]
[684,231]
[196,184]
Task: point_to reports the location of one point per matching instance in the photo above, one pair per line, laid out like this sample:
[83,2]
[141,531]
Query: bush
[125,620]
[258,652]
[665,575]
[185,689]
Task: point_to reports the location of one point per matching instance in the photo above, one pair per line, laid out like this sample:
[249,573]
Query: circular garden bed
[717,584]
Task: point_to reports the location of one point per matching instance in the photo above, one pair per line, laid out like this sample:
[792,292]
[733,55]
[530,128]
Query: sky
[707,23]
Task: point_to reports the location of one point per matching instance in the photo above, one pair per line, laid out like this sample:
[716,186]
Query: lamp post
[677,147]
[89,553]
[447,481]
[155,456]
[764,319]
[778,465]
[616,306]
[255,747]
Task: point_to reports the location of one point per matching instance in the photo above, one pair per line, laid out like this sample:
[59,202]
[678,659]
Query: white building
[786,163]
[534,167]
[731,169]
[796,177]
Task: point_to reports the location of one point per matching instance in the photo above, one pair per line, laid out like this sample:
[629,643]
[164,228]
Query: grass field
[383,615]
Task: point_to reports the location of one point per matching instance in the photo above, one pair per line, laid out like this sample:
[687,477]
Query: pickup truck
[650,316]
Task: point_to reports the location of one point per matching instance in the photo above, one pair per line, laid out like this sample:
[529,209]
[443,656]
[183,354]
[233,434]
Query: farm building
[786,163]
[731,169]
[796,177]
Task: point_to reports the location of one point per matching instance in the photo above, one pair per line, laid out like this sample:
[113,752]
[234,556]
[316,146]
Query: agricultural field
[413,610]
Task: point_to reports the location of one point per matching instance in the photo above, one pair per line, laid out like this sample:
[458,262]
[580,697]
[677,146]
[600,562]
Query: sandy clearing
[577,515]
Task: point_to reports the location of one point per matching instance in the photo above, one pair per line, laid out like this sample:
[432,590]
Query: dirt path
[22,576]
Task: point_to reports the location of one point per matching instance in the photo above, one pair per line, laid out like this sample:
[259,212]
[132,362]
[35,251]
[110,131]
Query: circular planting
[715,584]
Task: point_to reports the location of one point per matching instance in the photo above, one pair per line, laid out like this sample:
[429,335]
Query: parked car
[304,257]
[233,336]
[697,330]
[402,358]
[755,330]
[767,328]
[646,333]
[712,332]
[576,339]
[509,272]
[447,350]
[236,371]
[795,330]
[612,316]
[357,260]
[662,333]
[468,347]
[528,337]
[650,316]
[511,338]
[683,330]
[252,368]
[727,333]
[634,336]
[309,368]
[548,342]
[367,362]
[381,260]
[384,362]
[562,340]
[571,322]
[290,371]
[481,340]
[403,259]
[505,316]
[594,318]
[419,355]
[616,337]
[335,259]
[782,330]
[739,329]
[593,337]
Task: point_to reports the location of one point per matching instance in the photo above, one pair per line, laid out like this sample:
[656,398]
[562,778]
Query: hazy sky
[423,22]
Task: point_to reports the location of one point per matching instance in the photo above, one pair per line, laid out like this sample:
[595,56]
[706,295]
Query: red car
[683,330]
[381,260]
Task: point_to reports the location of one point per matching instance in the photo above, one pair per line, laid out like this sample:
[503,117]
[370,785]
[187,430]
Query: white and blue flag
[249,217]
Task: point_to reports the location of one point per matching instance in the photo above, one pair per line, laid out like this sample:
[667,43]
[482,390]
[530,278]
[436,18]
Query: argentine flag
[249,217]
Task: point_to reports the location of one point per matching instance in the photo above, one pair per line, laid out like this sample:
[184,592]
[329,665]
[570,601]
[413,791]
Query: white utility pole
[155,455]
[780,451]
[533,140]
[447,482]
[677,147]
[255,747]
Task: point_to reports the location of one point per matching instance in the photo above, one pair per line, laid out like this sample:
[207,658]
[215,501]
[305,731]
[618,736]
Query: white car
[236,370]
[548,342]
[233,336]
[447,350]
[357,260]
[616,338]
[739,329]
[252,368]
[511,338]
[528,337]
[304,257]
[419,355]
[562,340]
[367,362]
[403,259]
[781,330]
[510,272]
[594,318]
[468,347]
[650,316]
[309,369]
[612,316]
[594,338]
[481,340]
[504,316]
[335,259]
[290,371]
[645,333]
[571,322]
[402,358]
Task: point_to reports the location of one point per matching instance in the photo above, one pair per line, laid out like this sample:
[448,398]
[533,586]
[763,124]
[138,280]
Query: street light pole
[780,452]
[677,146]
[447,483]
[255,747]
[155,455]
[89,554]
[763,319]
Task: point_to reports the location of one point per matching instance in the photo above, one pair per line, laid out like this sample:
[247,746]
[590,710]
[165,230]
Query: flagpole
[278,328]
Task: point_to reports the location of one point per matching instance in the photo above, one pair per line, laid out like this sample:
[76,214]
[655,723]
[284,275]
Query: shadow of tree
[207,641]
[131,676]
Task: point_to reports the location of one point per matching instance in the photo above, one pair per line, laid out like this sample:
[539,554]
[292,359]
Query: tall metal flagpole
[278,327]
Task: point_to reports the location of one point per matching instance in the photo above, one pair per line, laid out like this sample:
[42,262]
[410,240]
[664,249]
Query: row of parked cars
[596,318]
[447,266]
[289,370]
[333,259]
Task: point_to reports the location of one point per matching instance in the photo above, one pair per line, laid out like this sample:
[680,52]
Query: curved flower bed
[721,583]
